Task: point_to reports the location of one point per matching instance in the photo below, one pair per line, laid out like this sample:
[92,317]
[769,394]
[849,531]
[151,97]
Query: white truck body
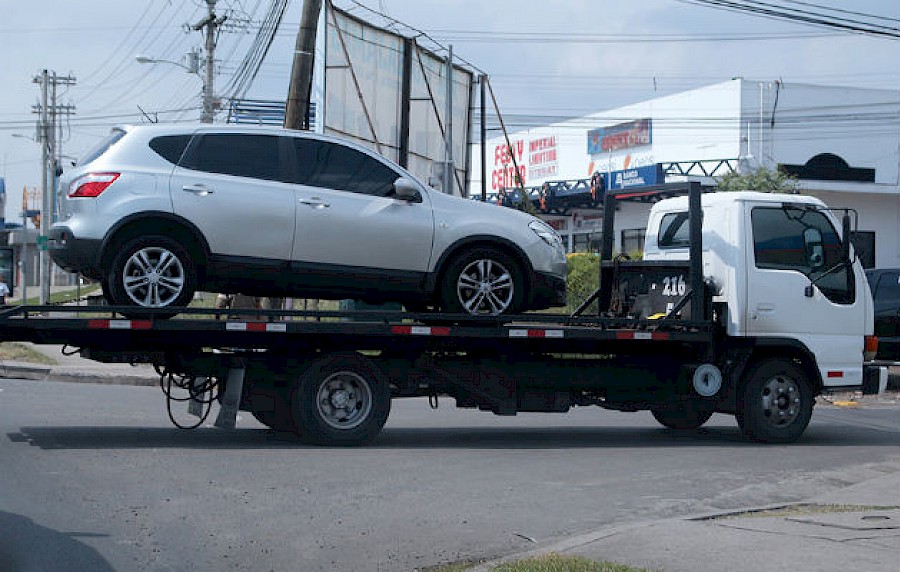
[762,280]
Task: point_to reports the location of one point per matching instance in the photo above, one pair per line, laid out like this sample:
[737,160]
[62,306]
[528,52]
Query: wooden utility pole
[297,107]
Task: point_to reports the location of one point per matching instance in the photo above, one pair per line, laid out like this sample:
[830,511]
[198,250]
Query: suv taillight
[92,184]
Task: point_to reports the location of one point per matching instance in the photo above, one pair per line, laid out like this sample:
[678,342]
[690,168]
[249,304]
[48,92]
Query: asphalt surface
[95,478]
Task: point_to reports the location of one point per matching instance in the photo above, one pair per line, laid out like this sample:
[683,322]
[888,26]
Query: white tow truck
[752,313]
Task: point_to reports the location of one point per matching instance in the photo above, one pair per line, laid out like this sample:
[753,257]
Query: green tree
[762,179]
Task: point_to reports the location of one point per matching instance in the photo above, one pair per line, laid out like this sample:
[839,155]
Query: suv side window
[803,240]
[334,166]
[241,155]
[170,147]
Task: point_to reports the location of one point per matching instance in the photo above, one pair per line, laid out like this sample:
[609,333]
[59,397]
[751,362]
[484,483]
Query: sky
[545,59]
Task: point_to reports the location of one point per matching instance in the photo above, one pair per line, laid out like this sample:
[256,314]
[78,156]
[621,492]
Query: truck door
[793,246]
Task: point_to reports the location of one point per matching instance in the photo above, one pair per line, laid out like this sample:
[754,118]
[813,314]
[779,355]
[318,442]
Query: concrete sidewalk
[75,368]
[855,528]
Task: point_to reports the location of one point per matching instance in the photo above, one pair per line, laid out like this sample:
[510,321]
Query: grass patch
[61,297]
[559,563]
[14,351]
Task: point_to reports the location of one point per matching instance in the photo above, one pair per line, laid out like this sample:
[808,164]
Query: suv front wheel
[152,272]
[483,281]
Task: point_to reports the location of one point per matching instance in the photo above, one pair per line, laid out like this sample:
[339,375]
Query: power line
[798,15]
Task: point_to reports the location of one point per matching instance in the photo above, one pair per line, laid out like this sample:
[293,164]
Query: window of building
[864,247]
[632,240]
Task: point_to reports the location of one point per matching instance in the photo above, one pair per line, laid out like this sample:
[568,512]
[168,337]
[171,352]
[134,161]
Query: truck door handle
[765,307]
[315,202]
[198,189]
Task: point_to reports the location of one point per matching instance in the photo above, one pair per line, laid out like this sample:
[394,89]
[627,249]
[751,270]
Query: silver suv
[158,212]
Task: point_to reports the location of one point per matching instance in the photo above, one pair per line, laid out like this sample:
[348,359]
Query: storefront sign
[641,176]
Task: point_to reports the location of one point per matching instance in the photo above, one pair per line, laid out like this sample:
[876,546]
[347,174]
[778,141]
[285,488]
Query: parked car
[157,212]
[885,285]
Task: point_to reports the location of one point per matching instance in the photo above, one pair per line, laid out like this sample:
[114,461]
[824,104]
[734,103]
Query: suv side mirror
[407,190]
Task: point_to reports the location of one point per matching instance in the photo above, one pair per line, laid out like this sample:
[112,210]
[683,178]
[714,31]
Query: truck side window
[803,240]
[674,231]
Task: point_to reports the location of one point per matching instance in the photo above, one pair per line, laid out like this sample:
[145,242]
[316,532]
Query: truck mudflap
[875,379]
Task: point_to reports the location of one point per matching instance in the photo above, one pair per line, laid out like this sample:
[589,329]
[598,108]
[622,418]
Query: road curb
[36,372]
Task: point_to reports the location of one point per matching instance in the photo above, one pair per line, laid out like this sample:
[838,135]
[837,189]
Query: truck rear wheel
[776,403]
[341,399]
[685,415]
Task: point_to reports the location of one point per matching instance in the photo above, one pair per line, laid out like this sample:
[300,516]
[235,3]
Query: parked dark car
[885,285]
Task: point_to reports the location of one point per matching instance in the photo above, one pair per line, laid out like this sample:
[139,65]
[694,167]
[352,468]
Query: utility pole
[210,26]
[296,111]
[448,133]
[48,110]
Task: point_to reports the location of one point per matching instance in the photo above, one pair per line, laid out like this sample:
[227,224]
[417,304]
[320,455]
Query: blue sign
[638,177]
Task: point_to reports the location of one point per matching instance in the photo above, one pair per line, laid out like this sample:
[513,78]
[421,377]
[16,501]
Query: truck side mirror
[845,244]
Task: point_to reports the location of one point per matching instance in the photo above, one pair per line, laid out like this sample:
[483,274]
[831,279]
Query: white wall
[877,212]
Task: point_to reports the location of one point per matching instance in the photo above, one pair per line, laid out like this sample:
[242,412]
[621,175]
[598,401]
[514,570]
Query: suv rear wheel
[152,272]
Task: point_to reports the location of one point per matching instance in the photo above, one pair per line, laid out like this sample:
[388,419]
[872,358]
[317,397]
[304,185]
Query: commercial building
[842,143]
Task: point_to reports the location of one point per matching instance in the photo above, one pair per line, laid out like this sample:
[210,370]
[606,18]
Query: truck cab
[781,274]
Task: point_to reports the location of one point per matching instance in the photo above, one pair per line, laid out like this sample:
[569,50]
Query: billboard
[636,133]
[365,70]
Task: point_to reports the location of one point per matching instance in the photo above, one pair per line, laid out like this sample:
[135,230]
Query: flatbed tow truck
[662,338]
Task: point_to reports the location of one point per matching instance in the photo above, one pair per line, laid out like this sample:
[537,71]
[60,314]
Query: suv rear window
[102,147]
[170,147]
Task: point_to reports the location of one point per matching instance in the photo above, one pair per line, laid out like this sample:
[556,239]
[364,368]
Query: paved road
[94,478]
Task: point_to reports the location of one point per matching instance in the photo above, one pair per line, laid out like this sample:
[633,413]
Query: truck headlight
[547,234]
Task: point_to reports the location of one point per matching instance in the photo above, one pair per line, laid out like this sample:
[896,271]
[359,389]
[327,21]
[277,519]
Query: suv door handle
[198,189]
[314,202]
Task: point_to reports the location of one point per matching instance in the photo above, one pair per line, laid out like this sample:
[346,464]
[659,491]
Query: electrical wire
[777,12]
[205,393]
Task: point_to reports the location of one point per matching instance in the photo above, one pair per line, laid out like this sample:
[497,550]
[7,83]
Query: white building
[842,143]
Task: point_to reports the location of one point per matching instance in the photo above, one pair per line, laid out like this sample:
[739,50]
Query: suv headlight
[546,232]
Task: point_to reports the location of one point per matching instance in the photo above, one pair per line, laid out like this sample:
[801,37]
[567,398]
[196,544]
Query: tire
[686,415]
[275,421]
[279,418]
[341,399]
[483,281]
[776,403]
[152,272]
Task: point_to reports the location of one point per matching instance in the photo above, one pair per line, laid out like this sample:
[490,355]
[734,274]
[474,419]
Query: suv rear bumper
[73,254]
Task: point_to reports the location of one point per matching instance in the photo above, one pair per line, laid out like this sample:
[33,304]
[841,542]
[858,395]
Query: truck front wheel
[776,403]
[341,399]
